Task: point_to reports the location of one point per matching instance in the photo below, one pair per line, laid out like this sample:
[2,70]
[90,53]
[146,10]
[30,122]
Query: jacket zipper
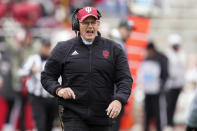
[90,59]
[90,64]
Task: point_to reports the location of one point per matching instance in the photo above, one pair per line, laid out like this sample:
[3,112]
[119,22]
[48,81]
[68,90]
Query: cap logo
[88,9]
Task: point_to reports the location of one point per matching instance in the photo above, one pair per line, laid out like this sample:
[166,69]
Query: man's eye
[88,23]
[93,23]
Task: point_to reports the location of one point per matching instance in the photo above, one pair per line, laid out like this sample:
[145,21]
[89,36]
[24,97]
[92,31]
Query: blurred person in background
[89,65]
[192,117]
[152,75]
[176,80]
[19,43]
[7,91]
[25,48]
[44,106]
[121,35]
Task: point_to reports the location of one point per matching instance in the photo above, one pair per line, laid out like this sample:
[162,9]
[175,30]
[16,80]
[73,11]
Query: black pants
[171,98]
[191,129]
[10,104]
[44,112]
[73,122]
[116,122]
[24,101]
[152,110]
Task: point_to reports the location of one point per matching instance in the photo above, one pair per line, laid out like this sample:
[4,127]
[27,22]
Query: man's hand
[114,109]
[66,93]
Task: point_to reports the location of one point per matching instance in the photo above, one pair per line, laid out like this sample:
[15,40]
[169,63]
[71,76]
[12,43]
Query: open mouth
[90,32]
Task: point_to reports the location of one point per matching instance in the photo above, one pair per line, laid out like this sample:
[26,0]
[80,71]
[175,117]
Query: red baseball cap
[86,12]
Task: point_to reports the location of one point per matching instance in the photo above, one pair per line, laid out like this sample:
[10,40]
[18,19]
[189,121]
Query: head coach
[89,65]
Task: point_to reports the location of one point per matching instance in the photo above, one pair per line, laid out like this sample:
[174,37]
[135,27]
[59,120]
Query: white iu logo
[88,9]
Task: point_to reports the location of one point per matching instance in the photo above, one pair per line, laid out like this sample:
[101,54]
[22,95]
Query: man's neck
[86,42]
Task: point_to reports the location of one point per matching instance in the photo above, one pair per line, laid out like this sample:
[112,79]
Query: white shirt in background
[176,68]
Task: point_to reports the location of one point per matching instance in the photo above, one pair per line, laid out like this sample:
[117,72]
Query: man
[44,106]
[152,75]
[176,80]
[122,33]
[89,65]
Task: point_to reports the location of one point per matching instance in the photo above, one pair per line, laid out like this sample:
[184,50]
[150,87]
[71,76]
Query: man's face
[175,47]
[89,28]
[125,33]
[45,50]
[150,53]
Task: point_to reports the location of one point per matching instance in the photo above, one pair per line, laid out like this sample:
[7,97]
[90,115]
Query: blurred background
[23,23]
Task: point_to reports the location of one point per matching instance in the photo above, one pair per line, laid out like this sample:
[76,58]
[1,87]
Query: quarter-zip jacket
[91,72]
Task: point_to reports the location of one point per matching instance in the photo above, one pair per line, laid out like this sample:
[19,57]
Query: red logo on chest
[105,53]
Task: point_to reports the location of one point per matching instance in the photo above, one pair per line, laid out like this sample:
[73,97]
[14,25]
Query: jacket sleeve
[123,79]
[52,70]
[164,68]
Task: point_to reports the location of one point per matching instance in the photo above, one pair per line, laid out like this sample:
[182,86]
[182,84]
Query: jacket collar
[97,38]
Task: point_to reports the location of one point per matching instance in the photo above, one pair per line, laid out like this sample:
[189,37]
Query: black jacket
[91,72]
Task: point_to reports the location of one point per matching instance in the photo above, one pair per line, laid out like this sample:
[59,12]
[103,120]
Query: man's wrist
[58,89]
[118,101]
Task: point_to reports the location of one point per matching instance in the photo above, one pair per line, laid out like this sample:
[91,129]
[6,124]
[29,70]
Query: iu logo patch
[105,53]
[88,9]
